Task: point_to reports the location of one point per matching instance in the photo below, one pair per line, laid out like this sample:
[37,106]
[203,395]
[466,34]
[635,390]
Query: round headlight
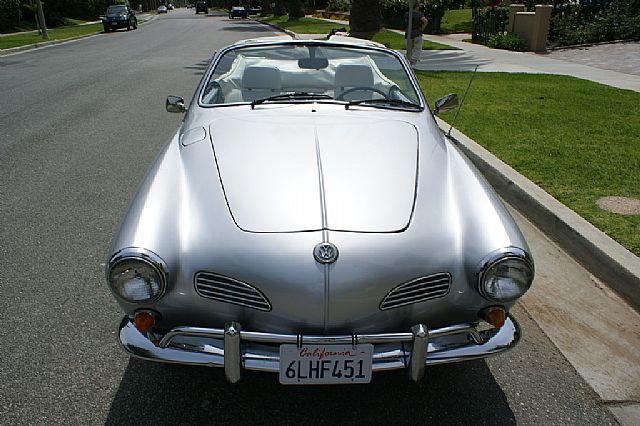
[136,276]
[506,278]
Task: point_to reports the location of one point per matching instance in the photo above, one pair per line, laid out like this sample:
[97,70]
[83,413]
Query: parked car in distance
[254,10]
[309,218]
[238,12]
[188,6]
[119,16]
[201,7]
[162,9]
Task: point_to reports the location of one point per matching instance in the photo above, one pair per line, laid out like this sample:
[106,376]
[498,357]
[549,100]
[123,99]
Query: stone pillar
[541,27]
[513,9]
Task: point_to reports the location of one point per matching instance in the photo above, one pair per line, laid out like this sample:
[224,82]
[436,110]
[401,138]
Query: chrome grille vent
[229,290]
[418,290]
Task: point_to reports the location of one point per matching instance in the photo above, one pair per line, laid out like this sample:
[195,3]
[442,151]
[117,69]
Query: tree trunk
[278,10]
[364,18]
[296,8]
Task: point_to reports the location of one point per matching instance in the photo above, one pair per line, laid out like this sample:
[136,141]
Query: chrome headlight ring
[519,260]
[149,262]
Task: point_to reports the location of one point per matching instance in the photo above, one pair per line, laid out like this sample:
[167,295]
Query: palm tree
[364,18]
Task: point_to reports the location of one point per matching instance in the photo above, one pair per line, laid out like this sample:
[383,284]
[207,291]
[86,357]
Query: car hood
[357,175]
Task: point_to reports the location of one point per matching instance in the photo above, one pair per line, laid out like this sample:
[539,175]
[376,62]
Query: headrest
[261,77]
[353,75]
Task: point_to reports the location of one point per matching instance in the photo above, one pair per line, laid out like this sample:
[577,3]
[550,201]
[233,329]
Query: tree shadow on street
[199,67]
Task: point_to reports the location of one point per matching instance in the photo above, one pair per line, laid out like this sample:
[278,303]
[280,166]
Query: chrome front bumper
[237,350]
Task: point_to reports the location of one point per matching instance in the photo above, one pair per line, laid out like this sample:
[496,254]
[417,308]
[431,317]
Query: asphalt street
[80,123]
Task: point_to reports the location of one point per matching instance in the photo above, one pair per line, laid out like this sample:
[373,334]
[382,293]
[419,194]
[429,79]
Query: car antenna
[462,101]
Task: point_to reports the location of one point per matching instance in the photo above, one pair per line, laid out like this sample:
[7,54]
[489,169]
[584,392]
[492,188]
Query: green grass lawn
[389,38]
[577,139]
[456,21]
[54,34]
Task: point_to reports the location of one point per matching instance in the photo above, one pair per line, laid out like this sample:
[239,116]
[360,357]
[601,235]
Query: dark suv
[237,12]
[119,16]
[201,7]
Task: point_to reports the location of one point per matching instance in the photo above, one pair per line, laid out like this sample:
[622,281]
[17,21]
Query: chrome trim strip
[417,290]
[230,290]
[388,354]
[198,94]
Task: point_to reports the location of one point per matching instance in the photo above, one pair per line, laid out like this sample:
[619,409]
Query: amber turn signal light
[494,316]
[144,320]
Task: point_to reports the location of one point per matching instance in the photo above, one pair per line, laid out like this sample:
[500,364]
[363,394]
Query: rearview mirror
[175,104]
[313,63]
[446,103]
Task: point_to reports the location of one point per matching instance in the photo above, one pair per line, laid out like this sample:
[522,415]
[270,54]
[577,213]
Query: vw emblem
[325,253]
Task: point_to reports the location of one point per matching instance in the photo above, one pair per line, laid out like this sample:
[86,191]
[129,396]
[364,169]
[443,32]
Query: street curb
[289,33]
[44,44]
[9,51]
[596,251]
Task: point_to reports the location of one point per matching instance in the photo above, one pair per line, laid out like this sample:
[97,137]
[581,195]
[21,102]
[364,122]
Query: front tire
[135,24]
[107,29]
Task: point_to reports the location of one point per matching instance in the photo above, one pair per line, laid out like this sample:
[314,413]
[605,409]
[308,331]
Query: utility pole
[409,25]
[43,25]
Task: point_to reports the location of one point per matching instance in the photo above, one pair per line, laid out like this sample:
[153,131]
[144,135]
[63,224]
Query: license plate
[114,23]
[325,364]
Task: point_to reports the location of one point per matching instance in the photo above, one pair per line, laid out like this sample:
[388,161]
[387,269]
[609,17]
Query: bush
[338,5]
[592,22]
[9,14]
[507,42]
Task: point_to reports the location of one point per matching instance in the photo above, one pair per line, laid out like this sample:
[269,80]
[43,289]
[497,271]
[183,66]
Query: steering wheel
[362,88]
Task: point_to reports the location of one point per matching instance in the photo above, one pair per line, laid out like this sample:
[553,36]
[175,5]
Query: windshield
[329,72]
[116,9]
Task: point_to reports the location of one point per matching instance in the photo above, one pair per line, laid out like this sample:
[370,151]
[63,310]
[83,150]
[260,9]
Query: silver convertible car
[309,218]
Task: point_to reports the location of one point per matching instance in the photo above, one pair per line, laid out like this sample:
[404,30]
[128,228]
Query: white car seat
[260,82]
[349,76]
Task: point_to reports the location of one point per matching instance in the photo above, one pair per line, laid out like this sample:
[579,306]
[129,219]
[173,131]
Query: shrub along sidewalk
[575,138]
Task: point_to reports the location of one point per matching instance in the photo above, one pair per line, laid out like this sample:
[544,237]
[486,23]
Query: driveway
[620,57]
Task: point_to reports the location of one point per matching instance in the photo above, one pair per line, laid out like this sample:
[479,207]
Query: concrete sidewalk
[495,60]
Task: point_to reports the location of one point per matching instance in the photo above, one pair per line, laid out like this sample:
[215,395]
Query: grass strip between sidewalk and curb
[386,37]
[576,139]
[61,33]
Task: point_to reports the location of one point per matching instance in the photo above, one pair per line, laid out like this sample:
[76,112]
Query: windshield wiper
[293,96]
[385,103]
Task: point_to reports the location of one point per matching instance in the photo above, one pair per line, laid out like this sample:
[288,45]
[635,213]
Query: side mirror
[446,103]
[175,104]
